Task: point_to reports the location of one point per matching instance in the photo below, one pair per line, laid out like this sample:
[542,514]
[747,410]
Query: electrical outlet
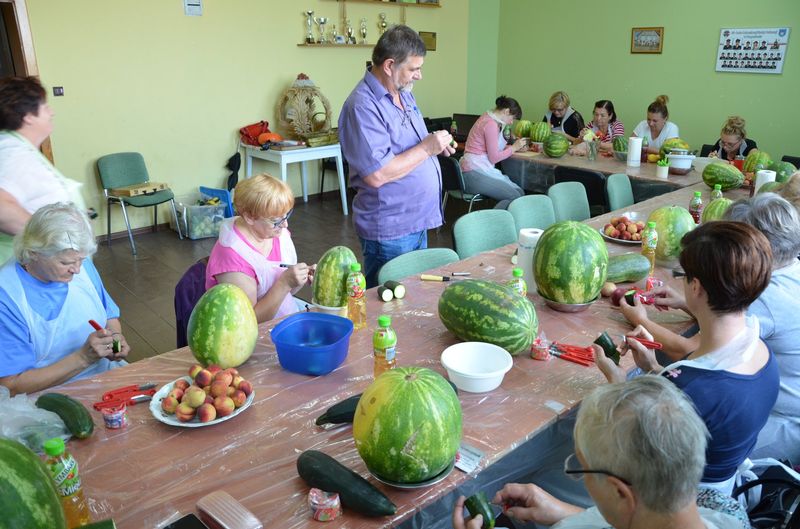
[58,91]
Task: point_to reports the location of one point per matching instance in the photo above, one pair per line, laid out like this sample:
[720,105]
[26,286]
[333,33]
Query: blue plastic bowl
[311,343]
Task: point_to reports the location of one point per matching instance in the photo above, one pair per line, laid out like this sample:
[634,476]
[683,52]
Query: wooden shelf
[401,4]
[331,45]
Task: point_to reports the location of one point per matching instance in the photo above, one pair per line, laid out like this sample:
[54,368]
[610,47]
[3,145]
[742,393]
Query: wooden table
[147,473]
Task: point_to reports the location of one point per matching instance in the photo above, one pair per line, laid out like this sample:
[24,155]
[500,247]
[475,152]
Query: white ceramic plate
[422,484]
[158,413]
[632,215]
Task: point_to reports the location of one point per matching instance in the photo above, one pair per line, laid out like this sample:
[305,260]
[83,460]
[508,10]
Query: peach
[238,398]
[169,404]
[194,370]
[626,236]
[236,381]
[209,399]
[622,226]
[636,237]
[615,233]
[177,393]
[181,384]
[614,220]
[632,228]
[206,413]
[231,389]
[203,378]
[184,412]
[233,371]
[608,229]
[194,397]
[224,406]
[214,369]
[219,388]
[246,387]
[225,377]
[624,219]
[207,389]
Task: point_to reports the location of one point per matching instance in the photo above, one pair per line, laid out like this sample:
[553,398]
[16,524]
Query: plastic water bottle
[696,206]
[717,192]
[356,303]
[517,282]
[384,346]
[649,243]
[64,470]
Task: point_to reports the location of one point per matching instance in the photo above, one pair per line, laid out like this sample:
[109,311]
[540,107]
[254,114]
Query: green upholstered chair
[569,201]
[618,191]
[532,211]
[124,169]
[413,263]
[453,183]
[483,230]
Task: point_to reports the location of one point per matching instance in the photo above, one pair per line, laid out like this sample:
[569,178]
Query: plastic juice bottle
[64,470]
[649,243]
[696,206]
[453,127]
[717,192]
[517,282]
[356,302]
[645,145]
[384,346]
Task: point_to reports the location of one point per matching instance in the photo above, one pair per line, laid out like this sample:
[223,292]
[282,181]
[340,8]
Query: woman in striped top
[605,124]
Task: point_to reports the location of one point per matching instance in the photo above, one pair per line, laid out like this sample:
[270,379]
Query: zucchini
[385,294]
[397,289]
[479,504]
[340,413]
[627,268]
[608,346]
[73,413]
[103,524]
[321,471]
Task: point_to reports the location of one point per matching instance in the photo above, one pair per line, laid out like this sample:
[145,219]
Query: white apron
[267,272]
[481,161]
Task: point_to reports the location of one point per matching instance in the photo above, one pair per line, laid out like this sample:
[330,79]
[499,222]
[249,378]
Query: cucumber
[385,294]
[397,289]
[479,504]
[607,344]
[103,524]
[627,268]
[339,413]
[73,413]
[321,471]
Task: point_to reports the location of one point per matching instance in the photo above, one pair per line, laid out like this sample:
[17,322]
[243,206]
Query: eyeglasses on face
[730,145]
[276,223]
[572,468]
[677,272]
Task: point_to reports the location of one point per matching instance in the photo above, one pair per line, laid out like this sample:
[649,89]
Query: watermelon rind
[672,143]
[756,160]
[716,209]
[329,288]
[556,145]
[540,131]
[522,128]
[770,187]
[783,170]
[672,223]
[724,174]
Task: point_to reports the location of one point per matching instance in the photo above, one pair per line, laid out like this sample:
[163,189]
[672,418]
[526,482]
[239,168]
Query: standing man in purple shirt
[393,164]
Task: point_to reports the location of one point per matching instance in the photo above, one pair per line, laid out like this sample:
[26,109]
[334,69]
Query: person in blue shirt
[48,293]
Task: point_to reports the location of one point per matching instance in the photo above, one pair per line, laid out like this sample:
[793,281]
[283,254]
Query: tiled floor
[143,286]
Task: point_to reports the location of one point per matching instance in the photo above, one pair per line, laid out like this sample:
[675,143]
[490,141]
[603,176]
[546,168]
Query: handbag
[773,498]
[249,134]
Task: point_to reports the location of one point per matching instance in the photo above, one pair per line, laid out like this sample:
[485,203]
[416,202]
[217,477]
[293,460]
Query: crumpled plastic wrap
[148,473]
[22,421]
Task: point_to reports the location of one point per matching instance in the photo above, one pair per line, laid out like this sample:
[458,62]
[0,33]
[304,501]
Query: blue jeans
[378,253]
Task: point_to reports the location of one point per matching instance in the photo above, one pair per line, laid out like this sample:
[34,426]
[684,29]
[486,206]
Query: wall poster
[752,50]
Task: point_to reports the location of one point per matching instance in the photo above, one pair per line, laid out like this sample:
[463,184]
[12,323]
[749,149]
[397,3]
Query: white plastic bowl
[476,367]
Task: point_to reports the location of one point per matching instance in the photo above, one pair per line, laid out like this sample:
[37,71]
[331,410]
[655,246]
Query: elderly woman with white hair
[48,294]
[640,449]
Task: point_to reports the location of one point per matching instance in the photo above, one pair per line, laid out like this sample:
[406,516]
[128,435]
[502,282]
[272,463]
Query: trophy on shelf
[382,24]
[321,21]
[335,37]
[363,31]
[350,36]
[309,25]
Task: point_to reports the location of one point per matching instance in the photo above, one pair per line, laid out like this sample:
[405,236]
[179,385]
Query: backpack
[773,497]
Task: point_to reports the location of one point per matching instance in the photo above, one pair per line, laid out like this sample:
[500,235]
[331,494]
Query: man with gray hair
[392,158]
[640,449]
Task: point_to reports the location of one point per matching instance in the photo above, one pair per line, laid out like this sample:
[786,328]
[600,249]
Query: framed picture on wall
[752,50]
[647,40]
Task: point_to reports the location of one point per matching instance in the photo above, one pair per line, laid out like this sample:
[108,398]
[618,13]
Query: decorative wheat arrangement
[298,109]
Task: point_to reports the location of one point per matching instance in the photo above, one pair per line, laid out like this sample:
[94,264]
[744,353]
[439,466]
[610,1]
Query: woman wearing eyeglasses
[733,140]
[253,247]
[562,117]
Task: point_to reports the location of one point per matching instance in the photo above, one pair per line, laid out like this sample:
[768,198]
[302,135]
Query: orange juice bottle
[64,470]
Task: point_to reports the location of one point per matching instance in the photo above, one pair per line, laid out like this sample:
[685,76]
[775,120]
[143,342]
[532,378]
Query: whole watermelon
[407,425]
[672,143]
[540,131]
[484,311]
[756,161]
[672,223]
[522,128]
[770,187]
[715,209]
[223,329]
[570,263]
[620,144]
[724,174]
[329,286]
[556,145]
[28,497]
[783,170]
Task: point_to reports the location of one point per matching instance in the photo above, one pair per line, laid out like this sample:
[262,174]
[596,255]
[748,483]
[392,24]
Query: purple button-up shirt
[372,131]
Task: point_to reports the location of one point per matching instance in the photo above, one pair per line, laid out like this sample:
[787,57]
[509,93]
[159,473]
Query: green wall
[482,58]
[584,49]
[141,76]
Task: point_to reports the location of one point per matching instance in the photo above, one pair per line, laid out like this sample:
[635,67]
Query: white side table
[284,158]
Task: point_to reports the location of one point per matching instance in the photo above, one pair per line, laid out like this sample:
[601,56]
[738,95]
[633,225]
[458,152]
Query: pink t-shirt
[224,259]
[484,139]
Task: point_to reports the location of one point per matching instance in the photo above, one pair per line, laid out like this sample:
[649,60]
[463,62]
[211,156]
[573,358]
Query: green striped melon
[620,144]
[672,223]
[556,145]
[770,187]
[570,263]
[715,209]
[540,131]
[672,143]
[521,128]
[724,174]
[484,311]
[756,160]
[28,497]
[783,170]
[330,279]
[407,425]
[222,328]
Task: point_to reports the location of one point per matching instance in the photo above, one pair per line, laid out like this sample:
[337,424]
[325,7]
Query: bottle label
[650,239]
[65,475]
[356,285]
[519,285]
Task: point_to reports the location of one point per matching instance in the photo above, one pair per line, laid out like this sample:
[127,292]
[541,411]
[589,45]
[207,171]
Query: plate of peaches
[210,396]
[624,229]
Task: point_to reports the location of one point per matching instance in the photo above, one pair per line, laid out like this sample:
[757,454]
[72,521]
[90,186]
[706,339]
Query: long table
[149,473]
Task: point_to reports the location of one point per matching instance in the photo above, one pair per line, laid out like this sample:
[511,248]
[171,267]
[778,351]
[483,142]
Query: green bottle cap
[651,224]
[698,193]
[54,446]
[384,320]
[717,187]
[517,272]
[355,267]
